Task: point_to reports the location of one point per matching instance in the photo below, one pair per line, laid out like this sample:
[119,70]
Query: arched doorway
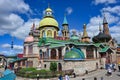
[89,53]
[60,53]
[53,54]
[59,67]
[49,33]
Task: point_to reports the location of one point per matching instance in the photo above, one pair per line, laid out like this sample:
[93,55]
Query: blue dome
[74,54]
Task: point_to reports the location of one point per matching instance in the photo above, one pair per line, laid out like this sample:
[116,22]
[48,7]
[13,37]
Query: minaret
[65,30]
[85,37]
[105,26]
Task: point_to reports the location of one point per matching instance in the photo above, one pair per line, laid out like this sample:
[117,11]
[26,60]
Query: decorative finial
[84,26]
[48,5]
[104,18]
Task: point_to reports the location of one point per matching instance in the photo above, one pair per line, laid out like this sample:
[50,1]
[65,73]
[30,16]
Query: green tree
[53,66]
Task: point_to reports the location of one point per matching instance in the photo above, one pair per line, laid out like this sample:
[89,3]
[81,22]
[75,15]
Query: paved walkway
[99,74]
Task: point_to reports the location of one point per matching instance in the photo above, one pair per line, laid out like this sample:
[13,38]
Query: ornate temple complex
[43,46]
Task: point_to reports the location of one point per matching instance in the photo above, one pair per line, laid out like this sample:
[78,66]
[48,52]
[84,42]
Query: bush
[53,66]
[32,73]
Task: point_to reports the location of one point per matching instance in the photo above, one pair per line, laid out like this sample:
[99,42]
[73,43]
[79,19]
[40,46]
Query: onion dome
[74,37]
[74,54]
[48,10]
[48,19]
[101,37]
[29,39]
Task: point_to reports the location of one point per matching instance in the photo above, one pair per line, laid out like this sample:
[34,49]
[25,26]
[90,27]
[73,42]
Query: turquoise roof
[65,20]
[8,75]
[17,59]
[104,49]
[74,54]
[74,37]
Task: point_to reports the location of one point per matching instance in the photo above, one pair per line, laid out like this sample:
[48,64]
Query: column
[57,54]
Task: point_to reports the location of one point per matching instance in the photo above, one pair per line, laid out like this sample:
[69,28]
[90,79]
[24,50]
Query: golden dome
[48,21]
[48,10]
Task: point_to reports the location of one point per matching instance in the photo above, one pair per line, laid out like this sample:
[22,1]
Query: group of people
[110,69]
[61,78]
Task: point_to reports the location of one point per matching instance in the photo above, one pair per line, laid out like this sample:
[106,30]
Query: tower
[105,26]
[65,30]
[48,25]
[85,37]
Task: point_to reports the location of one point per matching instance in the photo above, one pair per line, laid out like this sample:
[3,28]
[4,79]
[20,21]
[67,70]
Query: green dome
[74,37]
[71,54]
[74,54]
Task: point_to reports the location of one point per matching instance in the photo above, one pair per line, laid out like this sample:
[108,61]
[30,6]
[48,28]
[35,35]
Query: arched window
[30,51]
[40,54]
[49,33]
[89,53]
[53,54]
[45,65]
[59,67]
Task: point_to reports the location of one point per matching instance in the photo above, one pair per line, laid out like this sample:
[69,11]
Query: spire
[33,26]
[65,20]
[85,32]
[105,20]
[100,27]
[85,37]
[48,5]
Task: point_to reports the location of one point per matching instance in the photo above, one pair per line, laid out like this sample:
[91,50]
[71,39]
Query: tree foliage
[53,66]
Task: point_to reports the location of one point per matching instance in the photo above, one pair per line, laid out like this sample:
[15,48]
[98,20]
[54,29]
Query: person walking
[60,77]
[67,77]
[119,67]
[109,72]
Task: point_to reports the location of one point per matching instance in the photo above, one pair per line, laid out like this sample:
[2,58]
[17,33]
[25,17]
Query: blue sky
[17,17]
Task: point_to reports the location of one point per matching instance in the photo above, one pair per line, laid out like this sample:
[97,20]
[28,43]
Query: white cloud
[16,47]
[113,22]
[5,45]
[115,10]
[10,22]
[69,10]
[24,29]
[13,6]
[76,31]
[111,18]
[93,25]
[96,2]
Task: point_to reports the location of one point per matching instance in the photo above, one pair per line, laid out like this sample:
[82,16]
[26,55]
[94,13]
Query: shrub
[53,66]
